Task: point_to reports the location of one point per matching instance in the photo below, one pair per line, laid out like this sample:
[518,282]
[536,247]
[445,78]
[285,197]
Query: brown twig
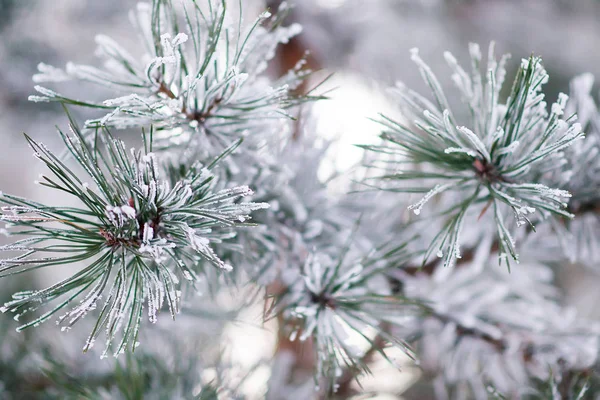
[349,375]
[304,357]
[166,91]
[288,56]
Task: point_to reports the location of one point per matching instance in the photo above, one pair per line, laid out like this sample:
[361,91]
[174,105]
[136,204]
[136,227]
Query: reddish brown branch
[166,91]
[349,375]
[289,55]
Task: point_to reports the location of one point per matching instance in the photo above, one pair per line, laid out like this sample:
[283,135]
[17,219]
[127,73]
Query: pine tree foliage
[496,161]
[482,329]
[332,298]
[304,215]
[580,175]
[201,81]
[223,193]
[138,234]
[202,70]
[487,329]
[147,375]
[173,369]
[202,84]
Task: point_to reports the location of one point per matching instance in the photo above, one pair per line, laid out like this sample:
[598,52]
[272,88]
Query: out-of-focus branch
[289,54]
[348,376]
[468,254]
[287,57]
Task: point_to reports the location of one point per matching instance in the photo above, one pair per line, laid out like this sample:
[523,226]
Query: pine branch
[136,234]
[204,76]
[497,161]
[507,328]
[333,298]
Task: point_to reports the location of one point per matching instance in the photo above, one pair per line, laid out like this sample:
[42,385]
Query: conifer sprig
[496,162]
[338,304]
[200,71]
[134,238]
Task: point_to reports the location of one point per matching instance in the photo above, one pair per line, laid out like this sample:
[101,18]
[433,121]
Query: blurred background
[365,43]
